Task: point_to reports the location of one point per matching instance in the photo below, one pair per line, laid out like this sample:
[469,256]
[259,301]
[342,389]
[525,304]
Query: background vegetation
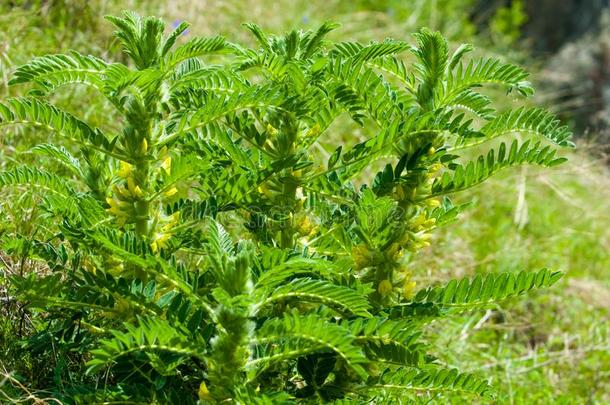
[550,347]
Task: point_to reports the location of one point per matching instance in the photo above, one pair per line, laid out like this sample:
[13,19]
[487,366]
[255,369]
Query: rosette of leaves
[213,250]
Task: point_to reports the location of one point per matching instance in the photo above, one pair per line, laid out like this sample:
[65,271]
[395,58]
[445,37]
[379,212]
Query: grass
[547,348]
[551,347]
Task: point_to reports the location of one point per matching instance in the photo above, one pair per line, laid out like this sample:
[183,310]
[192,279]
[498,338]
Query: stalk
[142,205]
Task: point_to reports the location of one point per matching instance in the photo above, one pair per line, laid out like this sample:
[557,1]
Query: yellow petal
[408,288]
[433,203]
[385,287]
[204,393]
[167,164]
[124,169]
[122,191]
[172,191]
[131,184]
[137,192]
[144,146]
[271,129]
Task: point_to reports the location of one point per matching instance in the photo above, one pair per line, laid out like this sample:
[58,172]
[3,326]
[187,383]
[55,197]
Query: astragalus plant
[216,250]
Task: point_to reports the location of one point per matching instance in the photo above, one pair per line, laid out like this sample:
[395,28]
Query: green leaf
[141,38]
[315,42]
[40,179]
[299,335]
[60,154]
[31,111]
[295,267]
[535,121]
[52,71]
[467,293]
[194,48]
[151,336]
[335,296]
[483,71]
[476,171]
[431,379]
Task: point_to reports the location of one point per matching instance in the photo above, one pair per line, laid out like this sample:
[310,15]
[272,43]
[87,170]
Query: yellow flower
[121,191]
[265,190]
[172,191]
[385,287]
[167,164]
[433,203]
[436,167]
[131,184]
[170,222]
[419,220]
[115,208]
[431,151]
[144,146]
[124,169]
[204,393]
[304,226]
[425,236]
[137,192]
[314,131]
[160,241]
[362,256]
[408,288]
[271,130]
[433,170]
[430,223]
[400,192]
[394,252]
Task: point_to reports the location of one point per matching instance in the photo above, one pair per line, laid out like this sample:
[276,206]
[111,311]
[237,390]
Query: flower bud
[172,191]
[433,203]
[131,184]
[430,223]
[124,169]
[204,393]
[394,252]
[167,164]
[362,256]
[304,226]
[271,130]
[400,192]
[385,287]
[144,146]
[137,192]
[122,193]
[408,288]
[314,131]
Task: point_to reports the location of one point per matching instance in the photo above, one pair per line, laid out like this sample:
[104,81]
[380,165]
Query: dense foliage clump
[213,250]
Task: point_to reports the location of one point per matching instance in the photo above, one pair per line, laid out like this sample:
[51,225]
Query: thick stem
[287,233]
[141,205]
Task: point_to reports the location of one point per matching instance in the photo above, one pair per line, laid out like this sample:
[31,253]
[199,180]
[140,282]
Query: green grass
[551,347]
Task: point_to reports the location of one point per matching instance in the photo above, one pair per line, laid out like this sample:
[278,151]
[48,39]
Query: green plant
[315,302]
[507,22]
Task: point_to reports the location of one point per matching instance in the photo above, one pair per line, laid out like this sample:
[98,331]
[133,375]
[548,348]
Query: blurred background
[550,348]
